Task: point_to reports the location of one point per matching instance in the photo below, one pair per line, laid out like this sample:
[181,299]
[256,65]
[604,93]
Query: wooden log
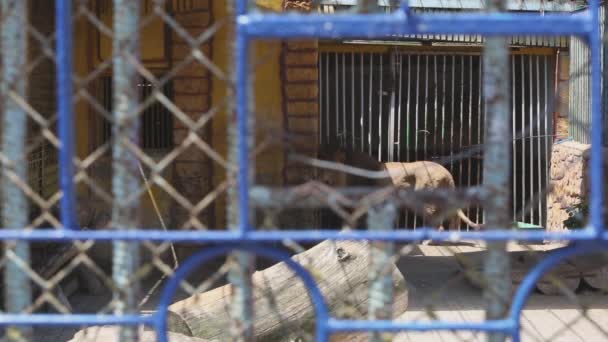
[283,310]
[110,333]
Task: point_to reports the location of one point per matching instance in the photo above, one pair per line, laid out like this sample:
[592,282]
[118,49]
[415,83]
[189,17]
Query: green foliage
[577,215]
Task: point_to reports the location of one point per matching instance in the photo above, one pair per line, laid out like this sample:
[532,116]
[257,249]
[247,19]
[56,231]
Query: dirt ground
[436,285]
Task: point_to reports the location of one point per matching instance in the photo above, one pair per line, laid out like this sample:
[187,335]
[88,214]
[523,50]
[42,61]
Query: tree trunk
[283,310]
[110,333]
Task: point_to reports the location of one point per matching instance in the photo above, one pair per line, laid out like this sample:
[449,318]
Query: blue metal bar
[74,320]
[63,15]
[504,325]
[302,235]
[241,7]
[318,301]
[293,26]
[597,124]
[242,69]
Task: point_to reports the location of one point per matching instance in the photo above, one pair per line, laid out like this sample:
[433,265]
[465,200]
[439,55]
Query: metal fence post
[380,273]
[239,218]
[497,171]
[17,289]
[125,181]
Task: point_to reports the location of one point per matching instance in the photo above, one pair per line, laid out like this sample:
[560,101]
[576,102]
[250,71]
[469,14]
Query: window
[156,130]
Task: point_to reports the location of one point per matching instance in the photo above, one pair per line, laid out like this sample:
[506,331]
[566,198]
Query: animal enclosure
[151,148]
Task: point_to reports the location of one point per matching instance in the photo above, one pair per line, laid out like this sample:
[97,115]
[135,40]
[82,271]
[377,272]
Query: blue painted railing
[291,26]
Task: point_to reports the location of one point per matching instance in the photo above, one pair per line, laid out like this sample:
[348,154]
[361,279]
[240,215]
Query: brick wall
[192,171]
[300,73]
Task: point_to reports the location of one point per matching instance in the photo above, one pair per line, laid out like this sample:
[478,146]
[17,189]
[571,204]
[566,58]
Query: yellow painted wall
[267,103]
[267,98]
[86,60]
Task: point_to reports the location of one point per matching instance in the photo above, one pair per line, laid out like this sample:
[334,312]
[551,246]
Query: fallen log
[110,333]
[283,310]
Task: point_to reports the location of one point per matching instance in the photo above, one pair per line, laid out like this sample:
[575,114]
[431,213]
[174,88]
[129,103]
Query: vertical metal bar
[426,106]
[337,98]
[435,111]
[417,115]
[391,120]
[408,117]
[452,118]
[327,99]
[538,140]
[125,182]
[409,108]
[497,169]
[514,130]
[443,99]
[239,215]
[400,71]
[352,100]
[63,9]
[461,132]
[380,273]
[362,114]
[322,98]
[343,140]
[369,112]
[17,289]
[548,137]
[380,99]
[416,110]
[523,138]
[470,123]
[480,139]
[531,135]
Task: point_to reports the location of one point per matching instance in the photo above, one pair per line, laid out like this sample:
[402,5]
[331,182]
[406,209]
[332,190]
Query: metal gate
[408,106]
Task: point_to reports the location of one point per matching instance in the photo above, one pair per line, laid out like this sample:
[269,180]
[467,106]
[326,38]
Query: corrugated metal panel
[530,41]
[580,89]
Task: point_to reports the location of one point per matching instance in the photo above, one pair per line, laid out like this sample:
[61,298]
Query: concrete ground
[437,286]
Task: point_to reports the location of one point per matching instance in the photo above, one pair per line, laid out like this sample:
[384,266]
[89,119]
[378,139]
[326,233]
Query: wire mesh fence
[198,170]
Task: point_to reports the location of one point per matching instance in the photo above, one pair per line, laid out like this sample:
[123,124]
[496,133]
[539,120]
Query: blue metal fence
[251,26]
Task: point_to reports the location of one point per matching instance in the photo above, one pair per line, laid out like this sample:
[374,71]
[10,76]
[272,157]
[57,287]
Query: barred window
[157,122]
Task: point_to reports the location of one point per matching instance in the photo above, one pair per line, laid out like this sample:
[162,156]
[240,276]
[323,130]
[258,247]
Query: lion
[419,175]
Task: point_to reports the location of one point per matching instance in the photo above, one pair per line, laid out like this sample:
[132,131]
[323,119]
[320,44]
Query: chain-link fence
[293,170]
